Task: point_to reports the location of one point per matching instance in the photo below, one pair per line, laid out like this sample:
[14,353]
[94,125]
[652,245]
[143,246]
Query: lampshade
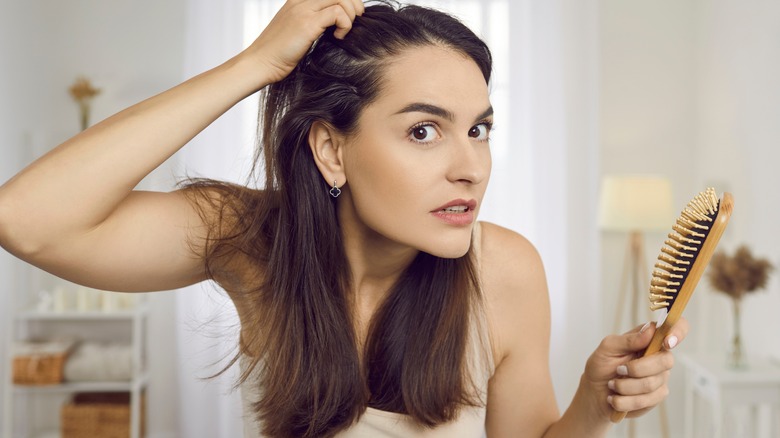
[636,203]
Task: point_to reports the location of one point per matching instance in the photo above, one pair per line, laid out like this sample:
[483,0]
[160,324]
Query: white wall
[688,89]
[131,54]
[737,132]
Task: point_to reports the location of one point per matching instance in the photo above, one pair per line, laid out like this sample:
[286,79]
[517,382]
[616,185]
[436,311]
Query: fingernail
[622,370]
[644,327]
[611,385]
[609,399]
[671,342]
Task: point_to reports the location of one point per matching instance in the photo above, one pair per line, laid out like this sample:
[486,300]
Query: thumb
[635,340]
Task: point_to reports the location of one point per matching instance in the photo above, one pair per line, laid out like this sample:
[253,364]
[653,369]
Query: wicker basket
[40,363]
[104,415]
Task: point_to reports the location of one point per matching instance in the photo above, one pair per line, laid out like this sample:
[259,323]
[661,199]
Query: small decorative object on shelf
[736,276]
[83,92]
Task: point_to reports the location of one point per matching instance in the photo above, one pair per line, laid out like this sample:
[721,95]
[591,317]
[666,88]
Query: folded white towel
[96,362]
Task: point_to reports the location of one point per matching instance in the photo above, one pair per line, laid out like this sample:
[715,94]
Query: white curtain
[555,51]
[544,183]
[206,319]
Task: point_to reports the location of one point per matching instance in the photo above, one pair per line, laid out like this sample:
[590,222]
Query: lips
[457,206]
[457,213]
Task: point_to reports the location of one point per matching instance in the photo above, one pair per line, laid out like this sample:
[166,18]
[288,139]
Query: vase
[737,359]
[84,112]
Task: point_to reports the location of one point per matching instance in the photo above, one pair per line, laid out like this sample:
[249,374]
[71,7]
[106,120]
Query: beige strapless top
[380,424]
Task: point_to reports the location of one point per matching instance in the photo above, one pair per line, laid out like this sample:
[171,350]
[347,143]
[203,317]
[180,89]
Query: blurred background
[683,91]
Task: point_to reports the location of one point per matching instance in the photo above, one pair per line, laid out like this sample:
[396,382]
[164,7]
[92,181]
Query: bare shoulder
[520,392]
[511,265]
[507,253]
[515,289]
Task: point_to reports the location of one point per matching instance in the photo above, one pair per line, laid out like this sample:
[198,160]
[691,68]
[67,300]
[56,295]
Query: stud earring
[335,191]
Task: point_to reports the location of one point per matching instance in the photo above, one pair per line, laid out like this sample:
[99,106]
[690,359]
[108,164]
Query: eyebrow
[418,107]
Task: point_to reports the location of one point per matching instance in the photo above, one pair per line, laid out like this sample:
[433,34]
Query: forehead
[433,74]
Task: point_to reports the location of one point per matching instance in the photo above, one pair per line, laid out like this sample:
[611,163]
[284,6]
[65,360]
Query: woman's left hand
[620,380]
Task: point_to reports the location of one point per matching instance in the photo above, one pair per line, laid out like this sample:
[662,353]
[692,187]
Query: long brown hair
[299,330]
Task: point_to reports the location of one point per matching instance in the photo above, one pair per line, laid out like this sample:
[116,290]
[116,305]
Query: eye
[481,131]
[423,133]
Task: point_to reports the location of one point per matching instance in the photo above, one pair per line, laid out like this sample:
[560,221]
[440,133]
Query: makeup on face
[418,166]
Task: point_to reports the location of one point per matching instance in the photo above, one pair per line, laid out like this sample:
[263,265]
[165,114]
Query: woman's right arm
[74,213]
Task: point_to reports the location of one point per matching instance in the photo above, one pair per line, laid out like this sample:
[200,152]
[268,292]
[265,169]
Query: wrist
[593,398]
[589,411]
[248,73]
[587,415]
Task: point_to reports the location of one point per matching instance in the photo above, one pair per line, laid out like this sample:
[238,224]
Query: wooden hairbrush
[684,256]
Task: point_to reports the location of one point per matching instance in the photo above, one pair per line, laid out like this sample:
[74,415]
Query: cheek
[388,188]
[389,180]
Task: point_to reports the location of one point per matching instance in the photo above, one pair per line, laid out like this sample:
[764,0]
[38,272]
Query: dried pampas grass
[739,274]
[82,90]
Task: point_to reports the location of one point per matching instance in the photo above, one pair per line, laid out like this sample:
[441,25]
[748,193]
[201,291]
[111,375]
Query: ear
[326,145]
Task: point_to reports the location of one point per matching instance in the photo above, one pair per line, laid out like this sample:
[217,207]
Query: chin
[452,255]
[449,250]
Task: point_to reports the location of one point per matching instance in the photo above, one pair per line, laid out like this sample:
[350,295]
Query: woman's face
[418,165]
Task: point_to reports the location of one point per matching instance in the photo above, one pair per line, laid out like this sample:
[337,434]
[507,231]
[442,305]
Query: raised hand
[293,30]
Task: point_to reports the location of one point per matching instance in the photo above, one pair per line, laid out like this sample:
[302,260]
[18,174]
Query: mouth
[457,206]
[456,209]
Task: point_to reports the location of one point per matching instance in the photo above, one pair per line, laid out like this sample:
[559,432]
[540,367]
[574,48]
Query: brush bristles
[681,248]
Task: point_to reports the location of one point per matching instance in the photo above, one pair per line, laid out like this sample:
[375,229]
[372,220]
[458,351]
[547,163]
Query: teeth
[456,209]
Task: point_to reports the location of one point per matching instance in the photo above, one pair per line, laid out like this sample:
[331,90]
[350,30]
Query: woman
[371,301]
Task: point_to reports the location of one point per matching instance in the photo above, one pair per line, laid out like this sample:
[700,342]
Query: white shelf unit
[22,402]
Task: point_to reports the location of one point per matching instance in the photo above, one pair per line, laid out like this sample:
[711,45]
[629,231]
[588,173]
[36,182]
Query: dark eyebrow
[418,107]
[427,108]
[487,113]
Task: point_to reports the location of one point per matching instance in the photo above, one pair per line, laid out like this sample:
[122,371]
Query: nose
[470,161]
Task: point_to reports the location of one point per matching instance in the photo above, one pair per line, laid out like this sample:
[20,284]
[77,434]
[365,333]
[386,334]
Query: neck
[375,262]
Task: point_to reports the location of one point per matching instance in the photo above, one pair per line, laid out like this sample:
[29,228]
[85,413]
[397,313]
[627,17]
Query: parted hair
[298,335]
